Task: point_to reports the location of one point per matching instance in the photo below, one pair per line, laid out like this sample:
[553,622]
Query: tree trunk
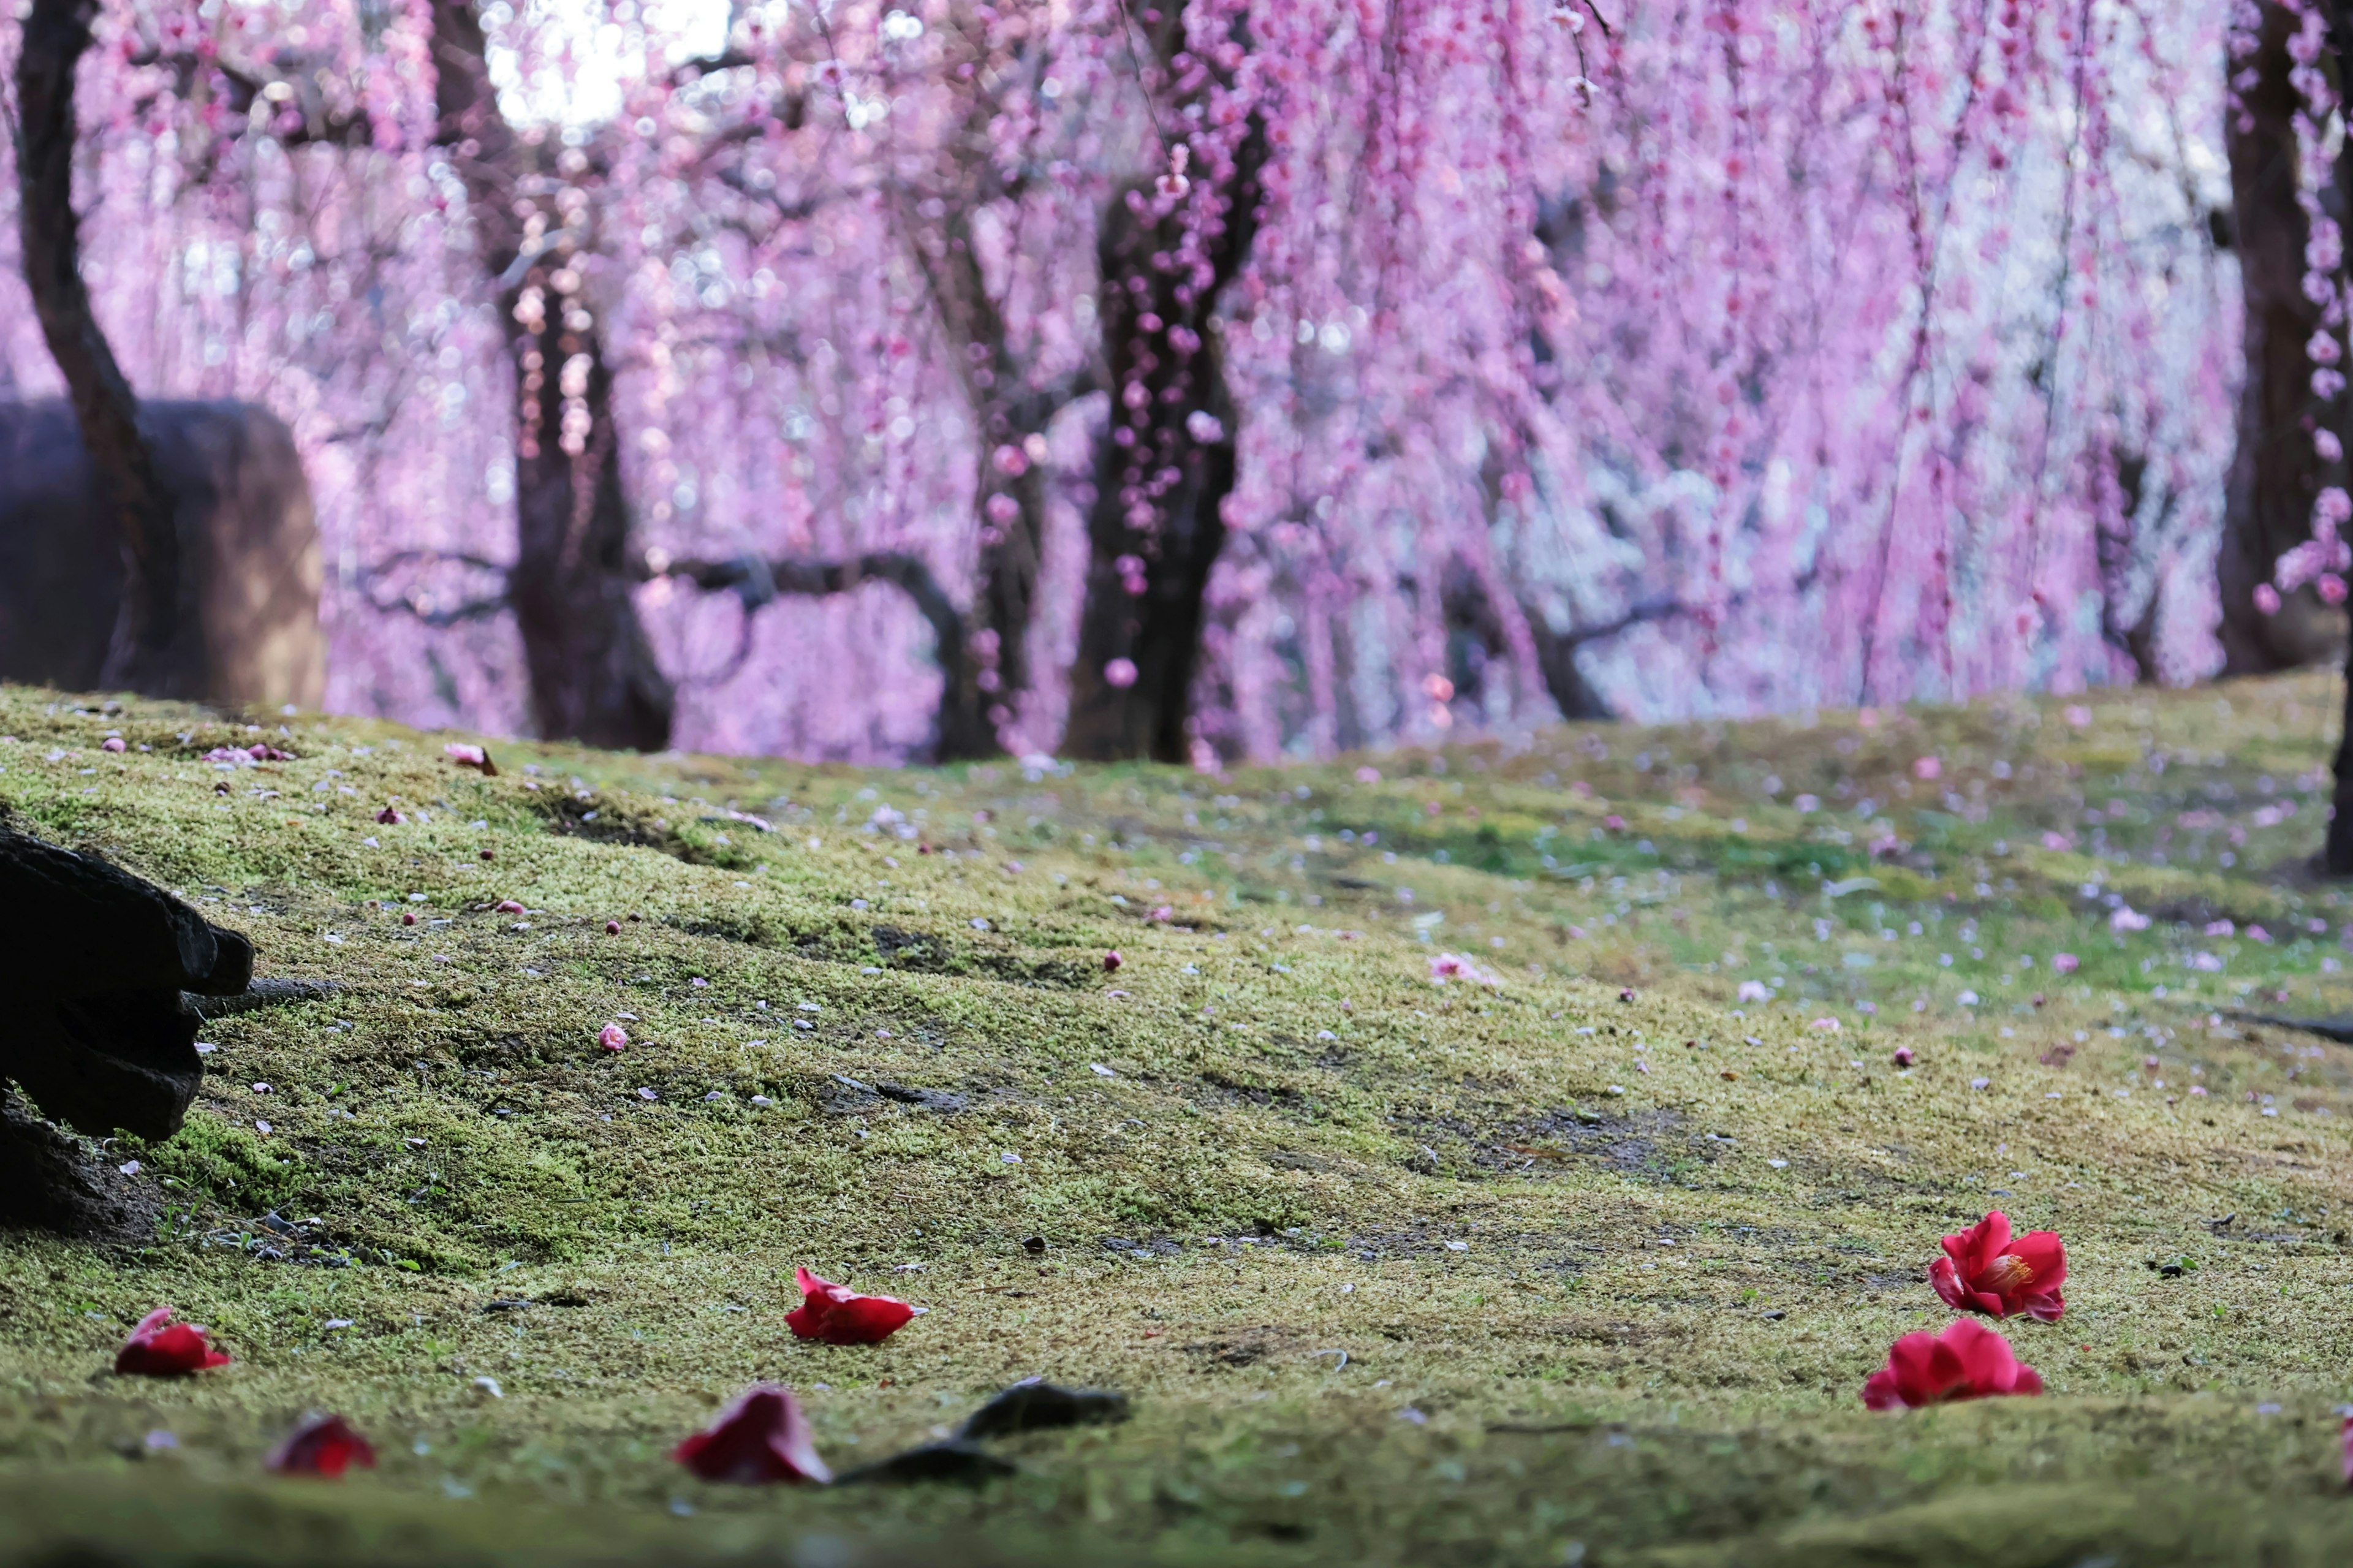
[55,35]
[1164,466]
[2337,852]
[2277,473]
[1572,693]
[979,690]
[594,677]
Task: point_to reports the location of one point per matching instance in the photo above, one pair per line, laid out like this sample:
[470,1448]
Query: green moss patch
[1584,1266]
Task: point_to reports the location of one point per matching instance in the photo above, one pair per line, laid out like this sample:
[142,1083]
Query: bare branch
[424,606]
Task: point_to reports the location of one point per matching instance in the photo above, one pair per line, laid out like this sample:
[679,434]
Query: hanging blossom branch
[2322,560]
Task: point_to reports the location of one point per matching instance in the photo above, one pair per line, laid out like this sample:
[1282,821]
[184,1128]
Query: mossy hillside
[1607,1272]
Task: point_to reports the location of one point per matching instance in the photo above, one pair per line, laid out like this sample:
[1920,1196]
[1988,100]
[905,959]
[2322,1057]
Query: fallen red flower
[159,1347]
[321,1446]
[1986,1269]
[760,1437]
[836,1315]
[1968,1360]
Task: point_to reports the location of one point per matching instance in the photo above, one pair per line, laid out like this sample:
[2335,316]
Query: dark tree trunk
[1576,697]
[1162,471]
[1005,604]
[2337,852]
[980,689]
[2113,545]
[594,677]
[2277,473]
[55,35]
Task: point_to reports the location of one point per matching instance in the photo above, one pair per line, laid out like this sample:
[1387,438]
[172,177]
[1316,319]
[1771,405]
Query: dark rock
[251,567]
[955,1461]
[938,1100]
[101,1063]
[1035,1406]
[50,1180]
[105,969]
[72,925]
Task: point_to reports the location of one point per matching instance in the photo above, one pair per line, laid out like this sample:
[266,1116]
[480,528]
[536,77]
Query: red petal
[836,1315]
[2043,1251]
[1948,1282]
[160,1348]
[1880,1392]
[760,1437]
[1910,1361]
[322,1445]
[1986,1364]
[1991,1239]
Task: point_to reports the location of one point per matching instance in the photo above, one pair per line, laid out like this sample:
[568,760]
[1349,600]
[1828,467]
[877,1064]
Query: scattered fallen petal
[1449,966]
[1968,1360]
[159,1347]
[836,1315]
[320,1446]
[760,1439]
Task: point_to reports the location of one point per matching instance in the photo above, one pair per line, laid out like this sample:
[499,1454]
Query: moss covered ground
[1587,1264]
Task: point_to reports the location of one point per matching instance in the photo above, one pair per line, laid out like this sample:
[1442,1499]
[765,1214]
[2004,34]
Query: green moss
[1264,1140]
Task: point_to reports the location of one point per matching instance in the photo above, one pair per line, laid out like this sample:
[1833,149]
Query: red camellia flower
[1968,1360]
[1986,1269]
[321,1446]
[760,1437]
[839,1316]
[159,1347]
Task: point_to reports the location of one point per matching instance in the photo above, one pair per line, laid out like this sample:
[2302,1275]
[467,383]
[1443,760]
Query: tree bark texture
[1162,477]
[55,36]
[2275,474]
[593,676]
